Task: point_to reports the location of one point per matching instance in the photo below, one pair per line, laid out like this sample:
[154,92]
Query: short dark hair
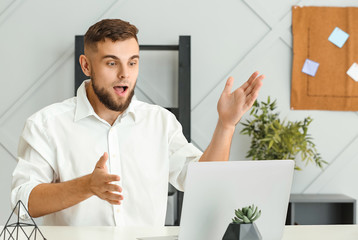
[114,29]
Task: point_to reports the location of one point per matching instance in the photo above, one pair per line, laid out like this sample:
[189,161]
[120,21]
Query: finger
[257,83]
[113,188]
[102,161]
[250,80]
[250,98]
[253,76]
[228,85]
[114,202]
[112,178]
[112,196]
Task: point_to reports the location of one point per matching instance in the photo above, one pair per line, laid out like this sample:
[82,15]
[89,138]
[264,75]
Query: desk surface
[326,232]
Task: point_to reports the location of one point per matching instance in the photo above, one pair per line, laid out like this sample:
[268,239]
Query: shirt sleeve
[34,166]
[181,153]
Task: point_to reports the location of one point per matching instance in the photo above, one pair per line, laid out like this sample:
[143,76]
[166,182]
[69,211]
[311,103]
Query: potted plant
[272,138]
[243,226]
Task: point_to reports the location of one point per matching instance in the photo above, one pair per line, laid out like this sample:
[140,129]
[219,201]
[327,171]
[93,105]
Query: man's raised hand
[233,105]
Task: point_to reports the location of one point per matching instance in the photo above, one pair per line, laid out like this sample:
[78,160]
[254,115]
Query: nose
[123,72]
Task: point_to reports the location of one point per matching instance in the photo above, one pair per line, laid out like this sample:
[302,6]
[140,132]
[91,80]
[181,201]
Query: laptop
[213,190]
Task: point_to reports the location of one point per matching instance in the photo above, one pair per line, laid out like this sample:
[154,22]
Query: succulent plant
[246,215]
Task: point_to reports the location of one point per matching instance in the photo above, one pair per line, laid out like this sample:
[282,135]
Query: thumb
[102,161]
[228,85]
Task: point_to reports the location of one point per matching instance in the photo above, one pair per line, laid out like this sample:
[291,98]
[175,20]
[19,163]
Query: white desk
[326,232]
[316,232]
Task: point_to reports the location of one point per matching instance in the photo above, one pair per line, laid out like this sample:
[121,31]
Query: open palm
[233,105]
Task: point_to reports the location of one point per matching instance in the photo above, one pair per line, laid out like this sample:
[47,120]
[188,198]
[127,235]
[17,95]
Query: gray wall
[232,37]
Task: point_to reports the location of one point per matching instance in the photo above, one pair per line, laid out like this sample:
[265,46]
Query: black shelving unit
[321,209]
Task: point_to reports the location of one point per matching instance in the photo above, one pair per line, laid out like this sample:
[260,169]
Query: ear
[85,65]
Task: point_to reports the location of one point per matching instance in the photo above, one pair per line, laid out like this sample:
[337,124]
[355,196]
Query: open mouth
[120,90]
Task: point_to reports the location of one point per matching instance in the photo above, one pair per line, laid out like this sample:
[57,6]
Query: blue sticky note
[310,67]
[338,37]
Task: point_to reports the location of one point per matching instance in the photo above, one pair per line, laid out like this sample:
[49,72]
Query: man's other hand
[100,183]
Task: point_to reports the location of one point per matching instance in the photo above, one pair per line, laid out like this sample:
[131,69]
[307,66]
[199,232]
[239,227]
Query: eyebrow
[116,58]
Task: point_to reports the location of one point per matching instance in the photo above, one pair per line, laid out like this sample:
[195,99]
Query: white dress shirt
[146,148]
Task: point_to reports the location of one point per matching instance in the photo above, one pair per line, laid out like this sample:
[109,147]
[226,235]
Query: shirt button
[118,211]
[113,155]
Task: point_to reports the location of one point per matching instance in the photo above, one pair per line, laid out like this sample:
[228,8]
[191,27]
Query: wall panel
[233,37]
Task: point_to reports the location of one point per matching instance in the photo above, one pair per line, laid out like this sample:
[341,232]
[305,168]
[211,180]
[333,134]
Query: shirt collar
[130,111]
[85,109]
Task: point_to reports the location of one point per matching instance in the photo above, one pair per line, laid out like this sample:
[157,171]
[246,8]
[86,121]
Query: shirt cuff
[179,164]
[22,193]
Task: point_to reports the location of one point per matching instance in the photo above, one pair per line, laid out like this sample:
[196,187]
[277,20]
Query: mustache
[120,83]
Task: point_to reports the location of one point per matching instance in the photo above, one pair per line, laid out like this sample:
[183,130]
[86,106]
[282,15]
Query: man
[105,158]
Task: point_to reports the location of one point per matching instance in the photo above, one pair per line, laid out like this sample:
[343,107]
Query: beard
[108,101]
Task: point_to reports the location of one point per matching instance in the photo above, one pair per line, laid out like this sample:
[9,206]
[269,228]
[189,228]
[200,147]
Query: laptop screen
[213,191]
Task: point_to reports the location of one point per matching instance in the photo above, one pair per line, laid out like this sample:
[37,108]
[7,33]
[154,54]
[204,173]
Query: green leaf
[246,220]
[244,211]
[239,214]
[257,216]
[249,213]
[254,212]
[271,143]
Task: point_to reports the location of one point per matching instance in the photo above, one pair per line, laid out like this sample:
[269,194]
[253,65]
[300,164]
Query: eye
[111,63]
[132,63]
